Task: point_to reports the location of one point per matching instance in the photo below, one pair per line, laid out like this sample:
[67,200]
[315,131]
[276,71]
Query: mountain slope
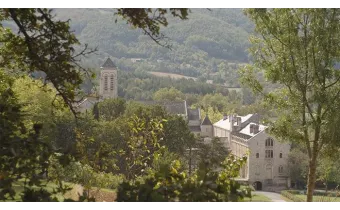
[199,44]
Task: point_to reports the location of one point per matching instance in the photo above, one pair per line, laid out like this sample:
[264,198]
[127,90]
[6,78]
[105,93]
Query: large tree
[299,49]
[39,44]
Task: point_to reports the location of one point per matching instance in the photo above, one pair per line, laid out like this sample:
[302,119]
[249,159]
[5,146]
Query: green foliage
[22,152]
[142,86]
[141,18]
[168,95]
[45,45]
[211,154]
[298,50]
[77,173]
[197,45]
[168,184]
[110,109]
[177,136]
[298,166]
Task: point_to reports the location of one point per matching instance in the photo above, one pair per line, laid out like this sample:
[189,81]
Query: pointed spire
[206,121]
[109,64]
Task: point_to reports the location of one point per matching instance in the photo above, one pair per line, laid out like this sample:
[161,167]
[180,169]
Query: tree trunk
[311,179]
[190,162]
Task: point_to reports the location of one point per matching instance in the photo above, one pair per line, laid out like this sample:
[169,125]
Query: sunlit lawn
[19,187]
[317,198]
[257,198]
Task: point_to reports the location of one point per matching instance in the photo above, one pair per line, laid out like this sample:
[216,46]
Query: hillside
[209,41]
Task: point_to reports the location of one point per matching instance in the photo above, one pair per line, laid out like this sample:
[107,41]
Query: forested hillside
[209,45]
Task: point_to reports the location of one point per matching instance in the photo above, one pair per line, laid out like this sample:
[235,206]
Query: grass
[257,198]
[173,76]
[99,194]
[286,199]
[317,198]
[19,188]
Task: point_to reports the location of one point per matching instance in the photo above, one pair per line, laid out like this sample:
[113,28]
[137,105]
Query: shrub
[77,173]
[168,184]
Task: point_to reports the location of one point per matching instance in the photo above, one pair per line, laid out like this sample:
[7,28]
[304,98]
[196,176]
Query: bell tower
[108,80]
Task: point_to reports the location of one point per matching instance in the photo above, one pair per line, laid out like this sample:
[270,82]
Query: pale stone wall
[194,123]
[207,130]
[108,83]
[263,169]
[240,149]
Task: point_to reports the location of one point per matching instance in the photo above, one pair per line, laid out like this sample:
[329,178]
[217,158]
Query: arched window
[269,142]
[105,82]
[280,154]
[257,155]
[112,82]
[280,169]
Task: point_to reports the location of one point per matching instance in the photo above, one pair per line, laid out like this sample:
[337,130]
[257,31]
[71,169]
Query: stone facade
[266,167]
[108,80]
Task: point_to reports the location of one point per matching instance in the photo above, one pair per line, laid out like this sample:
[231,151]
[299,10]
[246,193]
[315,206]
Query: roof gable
[109,64]
[206,121]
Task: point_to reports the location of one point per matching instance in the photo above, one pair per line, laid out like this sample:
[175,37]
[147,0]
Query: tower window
[105,82]
[257,155]
[112,82]
[281,155]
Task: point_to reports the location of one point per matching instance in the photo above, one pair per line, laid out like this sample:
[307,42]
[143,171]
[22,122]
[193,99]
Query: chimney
[251,128]
[256,128]
[238,120]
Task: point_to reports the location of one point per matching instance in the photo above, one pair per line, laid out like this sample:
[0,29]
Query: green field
[171,75]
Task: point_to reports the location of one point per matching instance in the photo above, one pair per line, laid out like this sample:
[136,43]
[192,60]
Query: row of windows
[269,154]
[106,82]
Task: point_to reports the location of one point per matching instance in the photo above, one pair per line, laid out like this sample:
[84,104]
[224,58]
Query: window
[105,82]
[269,153]
[112,82]
[280,169]
[269,142]
[280,154]
[257,155]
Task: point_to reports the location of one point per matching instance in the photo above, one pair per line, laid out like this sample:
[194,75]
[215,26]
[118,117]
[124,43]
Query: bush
[77,173]
[168,184]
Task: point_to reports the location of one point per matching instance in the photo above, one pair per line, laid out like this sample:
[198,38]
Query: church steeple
[108,80]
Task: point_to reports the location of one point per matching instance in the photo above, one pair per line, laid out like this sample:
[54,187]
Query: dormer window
[254,128]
